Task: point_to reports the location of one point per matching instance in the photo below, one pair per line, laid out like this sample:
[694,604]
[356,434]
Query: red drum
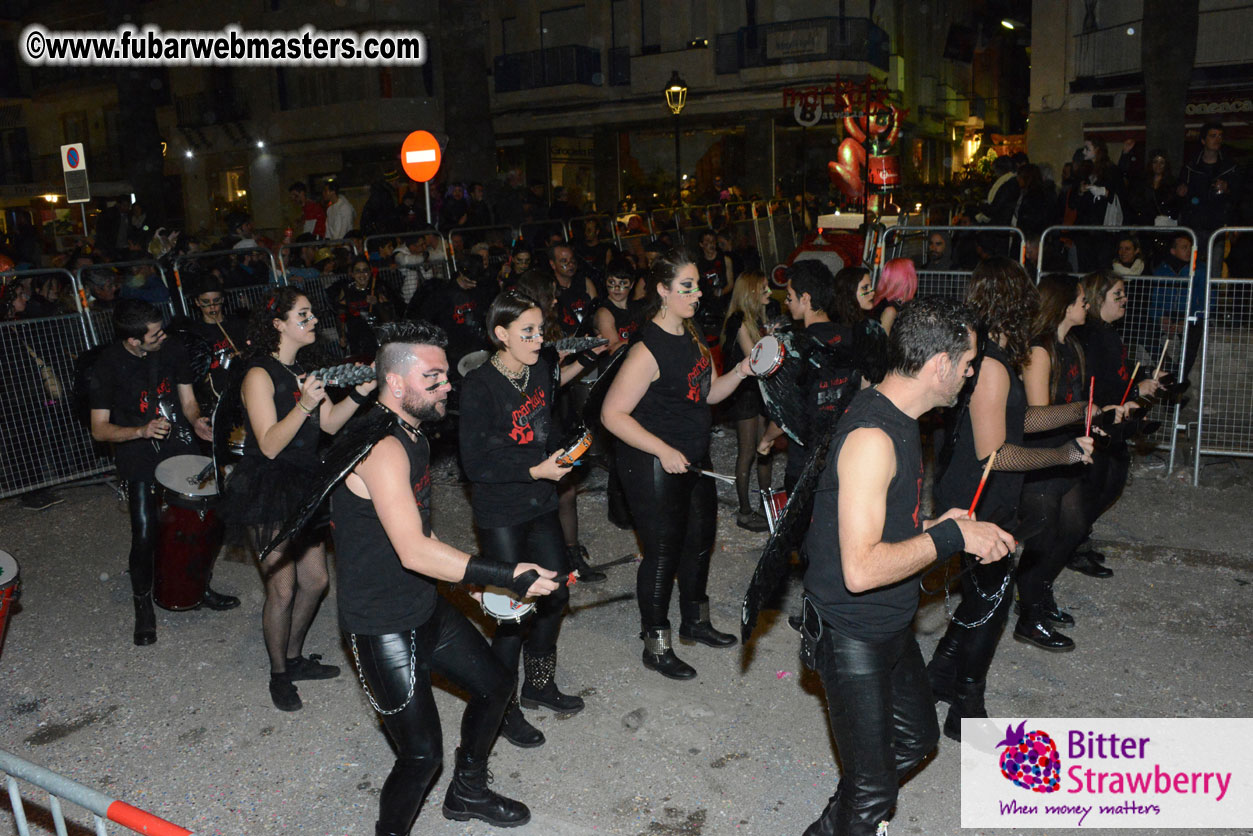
[188,535]
[8,590]
[773,502]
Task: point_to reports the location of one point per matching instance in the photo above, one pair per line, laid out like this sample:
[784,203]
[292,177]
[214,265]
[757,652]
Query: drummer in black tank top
[659,408]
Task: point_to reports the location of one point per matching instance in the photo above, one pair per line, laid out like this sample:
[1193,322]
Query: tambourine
[766,356]
[573,448]
[503,607]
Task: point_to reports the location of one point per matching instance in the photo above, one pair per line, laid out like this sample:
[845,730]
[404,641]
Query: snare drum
[188,533]
[766,356]
[573,448]
[8,590]
[503,607]
[773,503]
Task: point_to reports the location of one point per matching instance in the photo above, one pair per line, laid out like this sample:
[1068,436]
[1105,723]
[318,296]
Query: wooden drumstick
[983,480]
[1161,360]
[1091,392]
[1130,383]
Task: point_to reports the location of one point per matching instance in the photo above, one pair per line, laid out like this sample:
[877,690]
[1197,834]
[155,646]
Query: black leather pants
[883,719]
[446,643]
[535,541]
[144,510]
[675,518]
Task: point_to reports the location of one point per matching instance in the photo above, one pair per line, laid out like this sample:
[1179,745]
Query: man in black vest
[866,545]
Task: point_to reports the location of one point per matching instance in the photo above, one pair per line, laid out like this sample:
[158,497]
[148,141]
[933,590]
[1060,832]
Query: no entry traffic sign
[420,156]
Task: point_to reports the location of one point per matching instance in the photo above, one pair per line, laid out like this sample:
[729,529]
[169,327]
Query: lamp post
[676,98]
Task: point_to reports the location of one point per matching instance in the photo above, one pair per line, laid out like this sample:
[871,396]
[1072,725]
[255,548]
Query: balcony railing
[814,39]
[547,68]
[1222,38]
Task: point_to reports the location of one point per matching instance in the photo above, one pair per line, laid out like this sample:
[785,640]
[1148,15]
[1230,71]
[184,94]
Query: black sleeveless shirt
[675,408]
[302,450]
[377,595]
[880,613]
[957,485]
[1071,387]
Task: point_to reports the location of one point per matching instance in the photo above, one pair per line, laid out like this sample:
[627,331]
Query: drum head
[504,607]
[178,474]
[766,356]
[472,361]
[8,570]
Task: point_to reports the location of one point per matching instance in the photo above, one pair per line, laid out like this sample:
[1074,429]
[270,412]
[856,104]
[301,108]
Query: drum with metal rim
[8,590]
[188,532]
[766,356]
[503,607]
[573,448]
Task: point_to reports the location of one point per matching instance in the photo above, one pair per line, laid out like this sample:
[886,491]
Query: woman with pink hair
[897,285]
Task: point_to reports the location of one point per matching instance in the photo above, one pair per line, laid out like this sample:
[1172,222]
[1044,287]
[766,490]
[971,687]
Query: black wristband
[947,537]
[483,572]
[586,359]
[356,396]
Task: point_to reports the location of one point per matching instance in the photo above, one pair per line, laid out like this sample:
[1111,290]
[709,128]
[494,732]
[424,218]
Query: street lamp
[676,98]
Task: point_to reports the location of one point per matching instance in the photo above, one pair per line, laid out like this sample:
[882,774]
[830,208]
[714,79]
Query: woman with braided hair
[993,420]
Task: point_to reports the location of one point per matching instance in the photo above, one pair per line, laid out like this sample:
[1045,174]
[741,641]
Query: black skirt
[261,494]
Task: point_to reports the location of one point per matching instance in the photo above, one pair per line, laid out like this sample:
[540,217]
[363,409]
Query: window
[509,36]
[650,26]
[563,27]
[620,21]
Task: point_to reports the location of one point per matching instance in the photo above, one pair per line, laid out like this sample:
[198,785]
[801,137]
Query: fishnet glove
[1043,418]
[1015,459]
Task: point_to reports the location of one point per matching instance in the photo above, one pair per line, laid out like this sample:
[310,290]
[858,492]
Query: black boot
[942,670]
[145,620]
[1084,564]
[539,689]
[695,625]
[967,703]
[1034,628]
[578,561]
[515,728]
[468,796]
[218,601]
[834,821]
[658,655]
[1054,613]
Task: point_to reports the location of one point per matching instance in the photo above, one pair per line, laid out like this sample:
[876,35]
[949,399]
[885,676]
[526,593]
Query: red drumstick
[1091,392]
[1130,383]
[982,481]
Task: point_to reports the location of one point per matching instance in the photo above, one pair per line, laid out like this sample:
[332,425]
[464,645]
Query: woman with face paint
[658,407]
[509,450]
[286,411]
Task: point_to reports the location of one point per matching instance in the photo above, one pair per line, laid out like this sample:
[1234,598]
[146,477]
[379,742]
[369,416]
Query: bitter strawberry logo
[1030,759]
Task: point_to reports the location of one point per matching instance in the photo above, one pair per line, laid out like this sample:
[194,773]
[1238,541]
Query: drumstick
[1161,359]
[1130,383]
[730,480]
[1091,392]
[982,481]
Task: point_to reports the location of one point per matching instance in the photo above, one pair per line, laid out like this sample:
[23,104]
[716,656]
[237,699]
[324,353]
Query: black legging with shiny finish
[1055,508]
[144,510]
[676,517]
[981,583]
[535,541]
[883,720]
[448,644]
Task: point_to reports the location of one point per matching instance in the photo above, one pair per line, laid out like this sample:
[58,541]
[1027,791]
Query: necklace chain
[520,380]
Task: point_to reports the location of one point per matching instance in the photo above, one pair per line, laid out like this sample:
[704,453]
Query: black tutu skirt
[745,403]
[261,494]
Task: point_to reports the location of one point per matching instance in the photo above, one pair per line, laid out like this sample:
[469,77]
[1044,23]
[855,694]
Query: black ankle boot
[539,689]
[1084,564]
[515,728]
[145,620]
[695,625]
[1034,628]
[468,796]
[1054,613]
[942,670]
[968,702]
[578,561]
[658,655]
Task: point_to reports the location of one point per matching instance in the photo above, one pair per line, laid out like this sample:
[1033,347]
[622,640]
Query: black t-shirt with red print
[675,408]
[574,308]
[502,435]
[377,594]
[132,389]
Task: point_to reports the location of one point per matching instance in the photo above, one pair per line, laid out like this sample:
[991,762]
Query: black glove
[483,572]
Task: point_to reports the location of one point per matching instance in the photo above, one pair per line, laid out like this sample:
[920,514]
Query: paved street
[185,728]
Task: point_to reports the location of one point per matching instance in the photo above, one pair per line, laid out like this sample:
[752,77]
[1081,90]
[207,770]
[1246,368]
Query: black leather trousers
[144,510]
[883,719]
[676,517]
[536,541]
[446,643]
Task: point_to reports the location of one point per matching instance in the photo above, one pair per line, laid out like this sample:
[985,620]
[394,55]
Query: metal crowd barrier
[102,808]
[100,322]
[494,235]
[631,231]
[409,278]
[1157,311]
[910,242]
[283,268]
[1224,400]
[536,233]
[44,442]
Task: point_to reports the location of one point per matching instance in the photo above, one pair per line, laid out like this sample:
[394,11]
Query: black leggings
[1105,479]
[448,644]
[1054,507]
[534,541]
[980,607]
[144,509]
[883,721]
[676,517]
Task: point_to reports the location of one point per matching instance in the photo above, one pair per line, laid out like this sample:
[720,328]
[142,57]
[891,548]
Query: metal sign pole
[83,208]
[427,187]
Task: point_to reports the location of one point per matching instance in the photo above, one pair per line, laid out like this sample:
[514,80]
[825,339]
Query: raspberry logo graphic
[1030,759]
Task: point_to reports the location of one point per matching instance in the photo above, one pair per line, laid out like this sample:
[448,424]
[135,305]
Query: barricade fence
[410,260]
[1225,401]
[951,281]
[102,808]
